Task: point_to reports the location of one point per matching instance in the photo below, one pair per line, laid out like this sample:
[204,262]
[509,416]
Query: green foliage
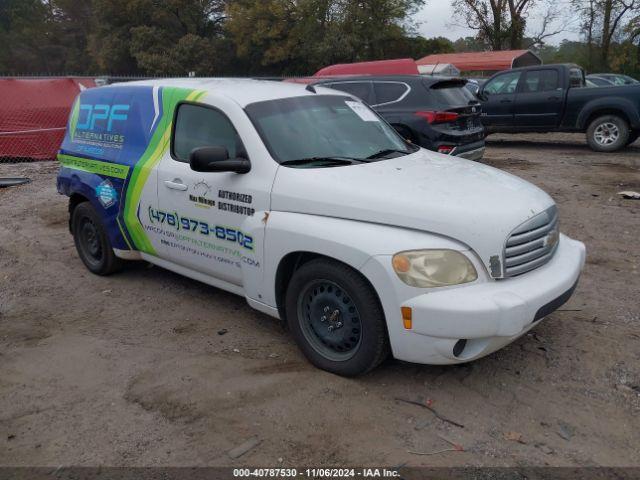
[418,47]
[469,44]
[285,37]
[256,37]
[623,58]
[208,37]
[567,52]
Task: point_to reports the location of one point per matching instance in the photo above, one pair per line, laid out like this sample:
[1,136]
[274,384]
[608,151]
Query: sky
[436,20]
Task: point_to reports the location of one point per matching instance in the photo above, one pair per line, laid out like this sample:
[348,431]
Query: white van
[305,202]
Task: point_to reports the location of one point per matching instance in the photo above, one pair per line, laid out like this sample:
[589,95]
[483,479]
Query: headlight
[433,268]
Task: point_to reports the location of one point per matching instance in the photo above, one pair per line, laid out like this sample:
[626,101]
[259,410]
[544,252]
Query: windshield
[621,79]
[453,93]
[323,126]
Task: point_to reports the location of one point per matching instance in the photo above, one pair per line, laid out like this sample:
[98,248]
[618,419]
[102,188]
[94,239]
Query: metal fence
[33,115]
[34,111]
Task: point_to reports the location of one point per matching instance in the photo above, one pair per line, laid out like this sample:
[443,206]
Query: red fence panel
[33,115]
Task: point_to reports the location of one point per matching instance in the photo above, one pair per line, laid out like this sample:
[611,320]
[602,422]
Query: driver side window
[202,126]
[503,84]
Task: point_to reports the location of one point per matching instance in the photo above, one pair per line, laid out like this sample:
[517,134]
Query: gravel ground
[131,370]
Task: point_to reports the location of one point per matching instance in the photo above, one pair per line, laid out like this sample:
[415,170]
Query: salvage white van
[305,202]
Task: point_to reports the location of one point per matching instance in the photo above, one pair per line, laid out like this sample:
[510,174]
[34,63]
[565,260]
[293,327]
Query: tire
[608,133]
[327,294]
[633,137]
[91,241]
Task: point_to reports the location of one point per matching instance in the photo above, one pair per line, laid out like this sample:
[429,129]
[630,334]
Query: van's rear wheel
[336,318]
[608,133]
[91,241]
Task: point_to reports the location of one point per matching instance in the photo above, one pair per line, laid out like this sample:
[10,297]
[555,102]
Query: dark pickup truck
[554,98]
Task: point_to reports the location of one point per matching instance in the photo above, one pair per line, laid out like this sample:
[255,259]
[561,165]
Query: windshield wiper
[385,152]
[330,160]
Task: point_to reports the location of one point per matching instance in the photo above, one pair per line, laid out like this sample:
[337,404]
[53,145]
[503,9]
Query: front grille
[532,244]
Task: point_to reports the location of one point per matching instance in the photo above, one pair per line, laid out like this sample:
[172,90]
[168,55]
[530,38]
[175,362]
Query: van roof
[243,91]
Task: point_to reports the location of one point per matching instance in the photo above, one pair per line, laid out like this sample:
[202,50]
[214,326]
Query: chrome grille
[532,244]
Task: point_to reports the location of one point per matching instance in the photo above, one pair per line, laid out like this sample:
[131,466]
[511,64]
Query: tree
[502,24]
[297,37]
[567,52]
[469,44]
[601,22]
[172,37]
[371,25]
[40,36]
[518,22]
[488,17]
[613,13]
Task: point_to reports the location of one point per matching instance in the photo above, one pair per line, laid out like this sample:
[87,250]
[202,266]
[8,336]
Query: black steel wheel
[330,320]
[336,318]
[91,241]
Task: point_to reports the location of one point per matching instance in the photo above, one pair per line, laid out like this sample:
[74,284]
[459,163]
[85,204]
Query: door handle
[554,99]
[506,100]
[176,184]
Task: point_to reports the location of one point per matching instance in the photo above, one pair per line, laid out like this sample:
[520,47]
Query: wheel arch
[293,239]
[607,111]
[293,261]
[75,199]
[619,107]
[80,190]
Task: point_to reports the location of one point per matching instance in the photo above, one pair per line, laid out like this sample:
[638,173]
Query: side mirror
[216,159]
[482,95]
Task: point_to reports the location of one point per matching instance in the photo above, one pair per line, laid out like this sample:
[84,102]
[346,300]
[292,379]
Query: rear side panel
[114,139]
[585,103]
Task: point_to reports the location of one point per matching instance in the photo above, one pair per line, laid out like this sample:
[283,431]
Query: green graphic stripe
[124,235]
[156,149]
[94,166]
[75,112]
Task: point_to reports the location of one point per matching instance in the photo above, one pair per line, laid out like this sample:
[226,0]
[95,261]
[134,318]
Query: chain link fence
[34,112]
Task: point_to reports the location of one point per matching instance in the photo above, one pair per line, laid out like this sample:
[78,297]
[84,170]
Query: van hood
[467,201]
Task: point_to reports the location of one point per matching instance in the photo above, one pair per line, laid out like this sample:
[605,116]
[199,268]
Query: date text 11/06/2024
[316,473]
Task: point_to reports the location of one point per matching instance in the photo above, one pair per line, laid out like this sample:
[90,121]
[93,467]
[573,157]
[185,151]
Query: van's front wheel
[91,241]
[336,318]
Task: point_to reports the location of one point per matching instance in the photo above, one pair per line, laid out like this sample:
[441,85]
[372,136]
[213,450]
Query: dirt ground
[131,370]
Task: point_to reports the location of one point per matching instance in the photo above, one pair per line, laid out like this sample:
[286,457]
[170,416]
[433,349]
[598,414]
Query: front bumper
[470,151]
[475,154]
[488,314]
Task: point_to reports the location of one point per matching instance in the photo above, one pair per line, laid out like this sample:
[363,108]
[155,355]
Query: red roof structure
[398,66]
[484,61]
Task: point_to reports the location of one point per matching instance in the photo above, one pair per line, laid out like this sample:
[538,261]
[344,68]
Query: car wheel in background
[336,318]
[608,133]
[91,241]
